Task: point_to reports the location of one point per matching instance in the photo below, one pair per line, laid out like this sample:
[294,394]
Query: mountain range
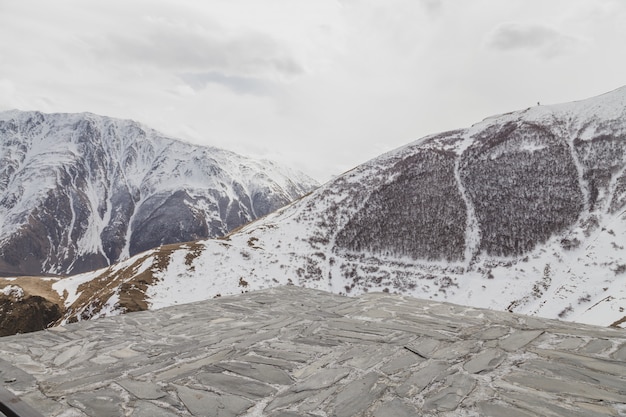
[524,211]
[80,192]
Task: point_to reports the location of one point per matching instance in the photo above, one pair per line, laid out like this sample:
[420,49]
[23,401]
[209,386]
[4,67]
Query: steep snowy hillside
[80,191]
[524,212]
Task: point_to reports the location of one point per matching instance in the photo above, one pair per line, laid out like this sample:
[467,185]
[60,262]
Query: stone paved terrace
[296,352]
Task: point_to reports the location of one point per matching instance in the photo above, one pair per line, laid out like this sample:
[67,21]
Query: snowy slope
[524,212]
[80,191]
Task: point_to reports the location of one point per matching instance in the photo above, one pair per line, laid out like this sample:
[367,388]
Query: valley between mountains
[524,211]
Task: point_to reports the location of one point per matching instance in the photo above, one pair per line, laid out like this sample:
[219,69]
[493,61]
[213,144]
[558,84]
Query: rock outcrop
[292,351]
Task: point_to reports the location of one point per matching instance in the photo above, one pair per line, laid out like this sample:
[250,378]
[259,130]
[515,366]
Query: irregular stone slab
[595,409]
[287,399]
[313,403]
[601,365]
[42,404]
[485,361]
[210,404]
[317,366]
[377,313]
[357,396]
[251,340]
[99,403]
[322,379]
[570,343]
[235,385]
[142,390]
[67,354]
[566,371]
[492,333]
[103,360]
[581,330]
[495,410]
[358,326]
[577,389]
[289,346]
[80,359]
[620,354]
[424,346]
[14,378]
[535,404]
[290,414]
[124,353]
[147,409]
[266,373]
[458,386]
[403,361]
[534,323]
[422,378]
[160,363]
[519,339]
[415,327]
[285,323]
[456,351]
[280,363]
[188,368]
[282,354]
[365,358]
[60,386]
[597,346]
[395,408]
[317,341]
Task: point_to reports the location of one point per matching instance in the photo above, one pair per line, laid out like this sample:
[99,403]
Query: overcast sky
[319,85]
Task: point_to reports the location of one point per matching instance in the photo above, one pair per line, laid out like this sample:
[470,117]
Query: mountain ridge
[524,212]
[102,189]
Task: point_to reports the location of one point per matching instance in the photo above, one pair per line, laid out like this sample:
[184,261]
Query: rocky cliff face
[80,191]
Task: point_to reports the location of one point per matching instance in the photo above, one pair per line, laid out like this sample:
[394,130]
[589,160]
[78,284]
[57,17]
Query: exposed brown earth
[36,309]
[30,314]
[41,306]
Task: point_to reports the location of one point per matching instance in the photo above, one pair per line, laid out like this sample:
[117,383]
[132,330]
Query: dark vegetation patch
[195,250]
[602,157]
[419,212]
[521,198]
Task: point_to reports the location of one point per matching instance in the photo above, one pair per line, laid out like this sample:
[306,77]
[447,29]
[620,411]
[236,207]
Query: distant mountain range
[524,211]
[80,191]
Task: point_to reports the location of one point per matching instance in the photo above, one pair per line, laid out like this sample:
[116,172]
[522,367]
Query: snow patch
[472,228]
[69,286]
[532,147]
[13,291]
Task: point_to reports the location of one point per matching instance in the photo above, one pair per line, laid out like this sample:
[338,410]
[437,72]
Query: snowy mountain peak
[80,191]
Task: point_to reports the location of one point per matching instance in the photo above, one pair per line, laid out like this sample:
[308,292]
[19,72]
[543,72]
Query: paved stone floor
[296,352]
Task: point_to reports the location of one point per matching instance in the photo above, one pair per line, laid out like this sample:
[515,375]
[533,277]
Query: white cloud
[547,41]
[321,85]
[180,45]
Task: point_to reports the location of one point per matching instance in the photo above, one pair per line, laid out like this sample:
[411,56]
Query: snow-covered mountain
[524,211]
[80,191]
